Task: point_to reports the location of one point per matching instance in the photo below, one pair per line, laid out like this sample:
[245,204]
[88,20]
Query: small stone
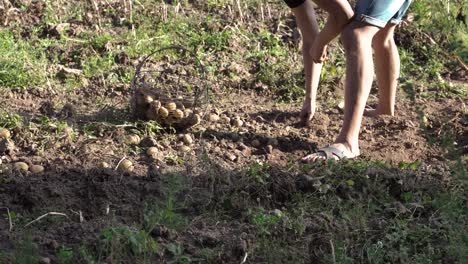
[21,166]
[237,122]
[230,156]
[187,139]
[36,169]
[269,149]
[45,261]
[5,133]
[341,105]
[213,118]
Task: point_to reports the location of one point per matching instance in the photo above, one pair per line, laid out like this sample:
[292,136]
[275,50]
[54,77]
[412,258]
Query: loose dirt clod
[21,166]
[255,143]
[230,156]
[126,166]
[213,118]
[36,169]
[225,119]
[5,133]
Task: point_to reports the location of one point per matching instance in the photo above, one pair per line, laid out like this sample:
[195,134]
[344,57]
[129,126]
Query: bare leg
[357,40]
[387,65]
[307,22]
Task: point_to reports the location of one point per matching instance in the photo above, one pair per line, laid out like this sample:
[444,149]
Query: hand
[318,52]
[307,112]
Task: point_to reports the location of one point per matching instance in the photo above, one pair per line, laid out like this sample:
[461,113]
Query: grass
[356,211]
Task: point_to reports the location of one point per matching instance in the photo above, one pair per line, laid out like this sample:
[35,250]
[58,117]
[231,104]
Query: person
[315,42]
[372,29]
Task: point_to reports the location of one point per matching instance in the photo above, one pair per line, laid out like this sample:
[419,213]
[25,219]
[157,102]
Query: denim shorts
[294,3]
[380,12]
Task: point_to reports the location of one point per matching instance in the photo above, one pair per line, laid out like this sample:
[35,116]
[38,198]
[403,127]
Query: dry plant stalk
[45,215]
[9,218]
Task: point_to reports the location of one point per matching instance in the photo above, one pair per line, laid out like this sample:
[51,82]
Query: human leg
[307,22]
[387,66]
[357,40]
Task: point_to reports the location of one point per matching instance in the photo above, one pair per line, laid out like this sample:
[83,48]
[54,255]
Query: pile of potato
[151,106]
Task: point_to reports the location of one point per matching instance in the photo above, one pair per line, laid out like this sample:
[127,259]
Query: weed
[26,252]
[20,66]
[10,120]
[124,243]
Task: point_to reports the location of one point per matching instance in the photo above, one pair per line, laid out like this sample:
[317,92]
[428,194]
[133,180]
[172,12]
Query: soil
[91,198]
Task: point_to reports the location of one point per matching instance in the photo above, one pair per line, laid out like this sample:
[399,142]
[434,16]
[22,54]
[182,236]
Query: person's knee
[383,43]
[356,37]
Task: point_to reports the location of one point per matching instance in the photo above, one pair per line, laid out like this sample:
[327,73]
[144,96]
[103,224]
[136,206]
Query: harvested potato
[152,151]
[5,133]
[36,169]
[184,149]
[187,139]
[21,166]
[163,113]
[126,166]
[148,99]
[133,140]
[171,106]
[177,114]
[105,165]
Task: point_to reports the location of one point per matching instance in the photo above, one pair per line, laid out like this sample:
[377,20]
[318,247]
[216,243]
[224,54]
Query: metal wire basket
[170,86]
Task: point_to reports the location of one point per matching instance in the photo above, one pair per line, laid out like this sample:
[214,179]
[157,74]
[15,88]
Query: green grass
[21,66]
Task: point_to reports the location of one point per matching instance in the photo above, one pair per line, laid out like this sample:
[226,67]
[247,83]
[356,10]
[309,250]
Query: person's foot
[371,112]
[307,112]
[337,151]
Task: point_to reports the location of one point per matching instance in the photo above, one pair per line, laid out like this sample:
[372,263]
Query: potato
[126,166]
[5,133]
[133,139]
[36,169]
[187,139]
[163,113]
[171,106]
[21,166]
[148,99]
[177,114]
[152,151]
[184,149]
[105,165]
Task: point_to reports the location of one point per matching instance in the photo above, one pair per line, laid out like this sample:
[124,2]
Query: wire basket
[170,87]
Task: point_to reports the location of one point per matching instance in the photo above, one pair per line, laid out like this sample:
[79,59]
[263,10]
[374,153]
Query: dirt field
[238,193]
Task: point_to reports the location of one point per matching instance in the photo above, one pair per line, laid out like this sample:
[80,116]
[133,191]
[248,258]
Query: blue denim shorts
[380,12]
